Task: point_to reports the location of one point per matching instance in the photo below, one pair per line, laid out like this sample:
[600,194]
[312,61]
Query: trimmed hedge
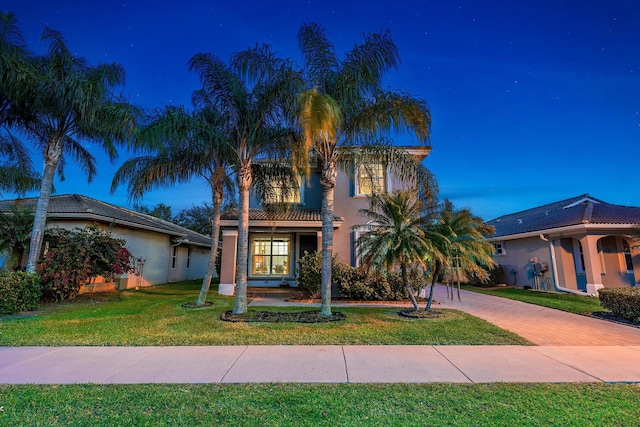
[19,291]
[623,302]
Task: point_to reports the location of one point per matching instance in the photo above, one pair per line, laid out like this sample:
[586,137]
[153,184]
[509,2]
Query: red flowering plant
[74,258]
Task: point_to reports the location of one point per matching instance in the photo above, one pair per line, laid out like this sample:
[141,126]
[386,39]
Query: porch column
[228,262]
[319,241]
[592,266]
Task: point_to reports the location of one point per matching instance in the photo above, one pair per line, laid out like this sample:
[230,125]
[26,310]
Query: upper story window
[499,248]
[371,178]
[280,193]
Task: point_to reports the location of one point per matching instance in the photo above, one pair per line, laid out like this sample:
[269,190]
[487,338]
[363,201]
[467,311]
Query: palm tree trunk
[215,237]
[242,260]
[407,285]
[436,271]
[52,158]
[328,182]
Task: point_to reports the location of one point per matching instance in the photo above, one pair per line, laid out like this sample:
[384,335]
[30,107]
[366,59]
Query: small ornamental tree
[74,258]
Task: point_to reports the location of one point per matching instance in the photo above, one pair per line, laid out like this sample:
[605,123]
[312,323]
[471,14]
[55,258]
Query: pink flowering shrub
[76,257]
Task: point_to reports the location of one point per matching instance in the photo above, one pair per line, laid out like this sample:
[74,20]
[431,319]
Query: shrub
[354,283]
[76,257]
[308,273]
[623,302]
[19,291]
[495,278]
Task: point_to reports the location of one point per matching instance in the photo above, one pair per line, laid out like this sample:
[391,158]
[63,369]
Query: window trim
[300,194]
[499,252]
[252,238]
[356,179]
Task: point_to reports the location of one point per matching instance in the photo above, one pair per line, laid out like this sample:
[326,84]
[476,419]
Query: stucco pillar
[592,265]
[228,262]
[319,241]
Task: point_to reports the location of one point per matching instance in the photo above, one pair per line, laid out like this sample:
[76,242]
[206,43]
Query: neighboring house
[576,245]
[165,252]
[278,240]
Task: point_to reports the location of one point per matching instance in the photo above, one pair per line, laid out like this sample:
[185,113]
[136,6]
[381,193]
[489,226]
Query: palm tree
[396,234]
[457,233]
[16,172]
[255,96]
[71,101]
[345,114]
[187,145]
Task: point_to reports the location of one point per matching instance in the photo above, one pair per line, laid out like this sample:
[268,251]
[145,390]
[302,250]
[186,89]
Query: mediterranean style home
[577,245]
[278,240]
[165,252]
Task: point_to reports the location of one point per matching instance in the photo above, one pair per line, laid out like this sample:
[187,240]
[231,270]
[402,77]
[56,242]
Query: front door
[308,243]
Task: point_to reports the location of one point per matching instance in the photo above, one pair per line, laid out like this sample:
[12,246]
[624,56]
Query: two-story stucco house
[576,245]
[277,242]
[165,252]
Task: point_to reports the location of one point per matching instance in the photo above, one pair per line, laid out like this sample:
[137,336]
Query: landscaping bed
[276,317]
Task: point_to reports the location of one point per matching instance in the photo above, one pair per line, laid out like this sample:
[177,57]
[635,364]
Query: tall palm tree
[72,101]
[457,233]
[16,171]
[345,115]
[396,234]
[255,95]
[185,144]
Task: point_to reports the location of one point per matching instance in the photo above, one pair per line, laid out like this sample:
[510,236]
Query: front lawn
[562,301]
[321,405]
[155,316]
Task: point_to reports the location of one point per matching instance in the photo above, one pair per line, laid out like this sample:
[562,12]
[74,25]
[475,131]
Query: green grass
[154,316]
[566,302]
[321,405]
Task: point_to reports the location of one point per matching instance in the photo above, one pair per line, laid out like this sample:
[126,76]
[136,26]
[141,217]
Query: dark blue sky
[532,101]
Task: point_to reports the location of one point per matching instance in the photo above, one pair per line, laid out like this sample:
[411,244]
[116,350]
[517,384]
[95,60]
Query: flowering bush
[76,257]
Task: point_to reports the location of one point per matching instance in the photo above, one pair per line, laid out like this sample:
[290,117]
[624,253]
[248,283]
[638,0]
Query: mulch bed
[275,317]
[193,304]
[412,314]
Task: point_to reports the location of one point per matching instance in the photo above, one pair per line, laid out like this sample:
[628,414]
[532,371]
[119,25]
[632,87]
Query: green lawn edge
[155,316]
[321,404]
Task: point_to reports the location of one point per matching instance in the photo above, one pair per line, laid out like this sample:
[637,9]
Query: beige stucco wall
[517,256]
[155,249]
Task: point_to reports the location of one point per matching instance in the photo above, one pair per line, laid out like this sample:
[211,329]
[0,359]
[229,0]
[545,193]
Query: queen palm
[185,145]
[255,96]
[16,171]
[72,101]
[396,235]
[461,235]
[345,115]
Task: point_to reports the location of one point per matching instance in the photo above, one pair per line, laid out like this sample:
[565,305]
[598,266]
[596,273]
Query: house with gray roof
[165,252]
[576,245]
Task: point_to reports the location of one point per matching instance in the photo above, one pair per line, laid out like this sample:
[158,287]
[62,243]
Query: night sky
[531,101]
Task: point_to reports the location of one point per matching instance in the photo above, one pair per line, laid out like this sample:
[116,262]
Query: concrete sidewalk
[570,348]
[319,364]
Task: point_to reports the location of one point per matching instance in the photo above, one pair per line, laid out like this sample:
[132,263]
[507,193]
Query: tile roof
[298,215]
[78,206]
[582,209]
